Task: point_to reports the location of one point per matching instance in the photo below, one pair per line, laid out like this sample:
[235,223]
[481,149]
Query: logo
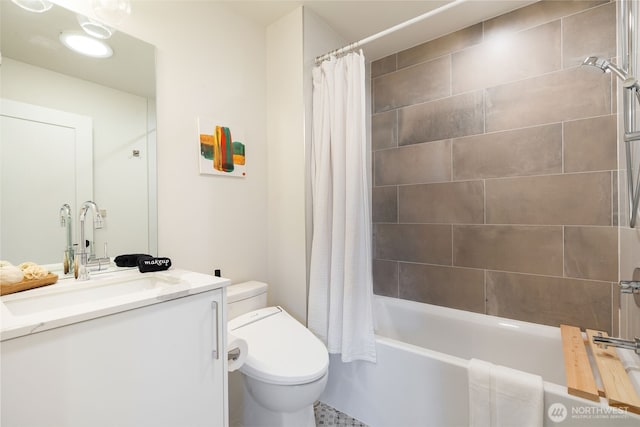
[557,412]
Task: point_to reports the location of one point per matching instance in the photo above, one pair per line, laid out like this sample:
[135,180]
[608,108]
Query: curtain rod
[390,30]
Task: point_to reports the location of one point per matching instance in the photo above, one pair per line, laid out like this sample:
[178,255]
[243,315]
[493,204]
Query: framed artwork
[222,149]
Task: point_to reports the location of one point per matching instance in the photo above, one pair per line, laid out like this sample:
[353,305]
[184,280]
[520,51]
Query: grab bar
[632,184]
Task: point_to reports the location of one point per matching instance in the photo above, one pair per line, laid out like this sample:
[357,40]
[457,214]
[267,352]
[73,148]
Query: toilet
[286,367]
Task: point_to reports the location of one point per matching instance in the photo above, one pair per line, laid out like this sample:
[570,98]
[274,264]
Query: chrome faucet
[604,342]
[84,259]
[630,286]
[65,221]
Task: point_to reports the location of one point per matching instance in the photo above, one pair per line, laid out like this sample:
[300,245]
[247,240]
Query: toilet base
[256,415]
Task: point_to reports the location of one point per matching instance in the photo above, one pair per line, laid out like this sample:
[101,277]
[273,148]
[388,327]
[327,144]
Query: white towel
[504,397]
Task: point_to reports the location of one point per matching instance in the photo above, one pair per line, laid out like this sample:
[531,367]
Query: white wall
[286,158]
[210,63]
[119,126]
[293,42]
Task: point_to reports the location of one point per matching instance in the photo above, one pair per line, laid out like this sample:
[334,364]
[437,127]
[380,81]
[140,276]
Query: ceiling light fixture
[85,45]
[37,6]
[112,11]
[95,28]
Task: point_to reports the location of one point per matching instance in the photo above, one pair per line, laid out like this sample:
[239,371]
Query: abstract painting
[222,151]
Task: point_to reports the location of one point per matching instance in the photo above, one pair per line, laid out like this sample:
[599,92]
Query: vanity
[121,349]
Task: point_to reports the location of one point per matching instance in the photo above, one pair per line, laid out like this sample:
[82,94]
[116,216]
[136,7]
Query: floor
[328,416]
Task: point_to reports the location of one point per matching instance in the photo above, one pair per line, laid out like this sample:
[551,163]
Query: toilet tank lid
[244,290]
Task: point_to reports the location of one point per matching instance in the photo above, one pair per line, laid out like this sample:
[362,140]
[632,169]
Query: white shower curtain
[341,284]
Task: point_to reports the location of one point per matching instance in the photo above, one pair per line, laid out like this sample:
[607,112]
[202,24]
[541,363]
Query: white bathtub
[420,379]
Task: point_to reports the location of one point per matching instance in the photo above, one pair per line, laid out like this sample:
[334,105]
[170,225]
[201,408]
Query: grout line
[561,43]
[397,204]
[562,146]
[450,74]
[564,272]
[486,296]
[484,190]
[397,279]
[396,130]
[451,160]
[452,247]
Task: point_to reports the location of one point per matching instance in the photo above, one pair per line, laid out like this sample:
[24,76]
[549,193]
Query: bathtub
[420,378]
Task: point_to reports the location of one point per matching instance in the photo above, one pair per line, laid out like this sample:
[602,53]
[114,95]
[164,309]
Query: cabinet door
[153,366]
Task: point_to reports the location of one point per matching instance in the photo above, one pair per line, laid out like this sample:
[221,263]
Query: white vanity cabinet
[158,365]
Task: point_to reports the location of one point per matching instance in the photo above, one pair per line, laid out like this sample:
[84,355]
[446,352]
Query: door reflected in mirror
[47,162]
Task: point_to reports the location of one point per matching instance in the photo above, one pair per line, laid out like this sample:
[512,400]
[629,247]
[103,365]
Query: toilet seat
[281,350]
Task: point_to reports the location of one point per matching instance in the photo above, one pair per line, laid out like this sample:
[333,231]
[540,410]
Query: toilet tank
[245,297]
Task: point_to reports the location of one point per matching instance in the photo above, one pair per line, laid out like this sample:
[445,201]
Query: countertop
[173,283]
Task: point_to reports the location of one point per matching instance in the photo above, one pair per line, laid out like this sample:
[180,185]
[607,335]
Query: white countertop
[173,283]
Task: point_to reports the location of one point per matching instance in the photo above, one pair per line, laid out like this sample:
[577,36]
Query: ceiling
[33,38]
[26,37]
[357,19]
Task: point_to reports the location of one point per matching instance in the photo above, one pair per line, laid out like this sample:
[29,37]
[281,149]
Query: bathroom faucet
[65,221]
[84,259]
[604,342]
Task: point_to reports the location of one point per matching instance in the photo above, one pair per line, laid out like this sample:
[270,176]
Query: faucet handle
[629,286]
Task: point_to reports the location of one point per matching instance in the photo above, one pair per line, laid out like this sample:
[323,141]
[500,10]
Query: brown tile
[461,288]
[441,46]
[383,66]
[529,151]
[564,95]
[420,163]
[522,55]
[589,33]
[451,117]
[591,253]
[413,243]
[384,204]
[535,14]
[385,278]
[448,203]
[591,144]
[549,300]
[575,199]
[420,83]
[384,130]
[525,249]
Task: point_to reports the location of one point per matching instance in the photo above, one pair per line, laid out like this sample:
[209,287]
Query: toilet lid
[280,349]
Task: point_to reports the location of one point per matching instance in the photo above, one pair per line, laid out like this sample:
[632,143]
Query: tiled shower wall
[494,164]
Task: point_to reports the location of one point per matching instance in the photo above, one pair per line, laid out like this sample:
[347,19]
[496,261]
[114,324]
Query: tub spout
[604,342]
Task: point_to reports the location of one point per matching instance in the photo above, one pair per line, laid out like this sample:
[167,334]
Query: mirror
[74,128]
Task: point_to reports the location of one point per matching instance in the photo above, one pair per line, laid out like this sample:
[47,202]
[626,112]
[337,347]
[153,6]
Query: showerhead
[594,61]
[606,66]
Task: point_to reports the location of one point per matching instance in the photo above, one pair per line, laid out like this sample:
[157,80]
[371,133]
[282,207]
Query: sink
[24,304]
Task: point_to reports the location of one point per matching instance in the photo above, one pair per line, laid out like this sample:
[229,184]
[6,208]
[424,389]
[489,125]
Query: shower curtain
[341,284]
